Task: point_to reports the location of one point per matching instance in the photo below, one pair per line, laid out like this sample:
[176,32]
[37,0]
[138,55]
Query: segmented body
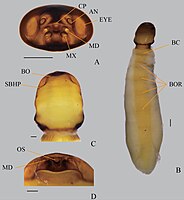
[143,117]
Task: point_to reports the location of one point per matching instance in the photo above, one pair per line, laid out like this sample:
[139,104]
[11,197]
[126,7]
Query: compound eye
[42,20]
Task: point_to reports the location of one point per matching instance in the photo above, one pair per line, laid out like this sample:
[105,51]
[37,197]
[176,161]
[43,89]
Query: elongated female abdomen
[143,118]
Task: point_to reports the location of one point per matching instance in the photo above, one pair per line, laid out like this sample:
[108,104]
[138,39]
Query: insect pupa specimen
[58,169]
[59,107]
[56,28]
[143,118]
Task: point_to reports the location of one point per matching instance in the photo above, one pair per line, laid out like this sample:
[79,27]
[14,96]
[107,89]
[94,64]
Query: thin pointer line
[154,49]
[91,22]
[40,154]
[37,161]
[66,15]
[67,42]
[153,98]
[37,74]
[145,79]
[78,18]
[146,91]
[152,74]
[153,81]
[28,86]
[30,164]
[163,83]
[77,37]
[161,47]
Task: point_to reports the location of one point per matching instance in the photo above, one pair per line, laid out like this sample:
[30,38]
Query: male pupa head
[59,107]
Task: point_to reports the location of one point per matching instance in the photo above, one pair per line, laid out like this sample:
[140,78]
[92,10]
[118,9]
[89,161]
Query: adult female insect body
[143,118]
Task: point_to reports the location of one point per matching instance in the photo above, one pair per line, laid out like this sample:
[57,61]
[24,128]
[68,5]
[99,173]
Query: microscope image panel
[56,28]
